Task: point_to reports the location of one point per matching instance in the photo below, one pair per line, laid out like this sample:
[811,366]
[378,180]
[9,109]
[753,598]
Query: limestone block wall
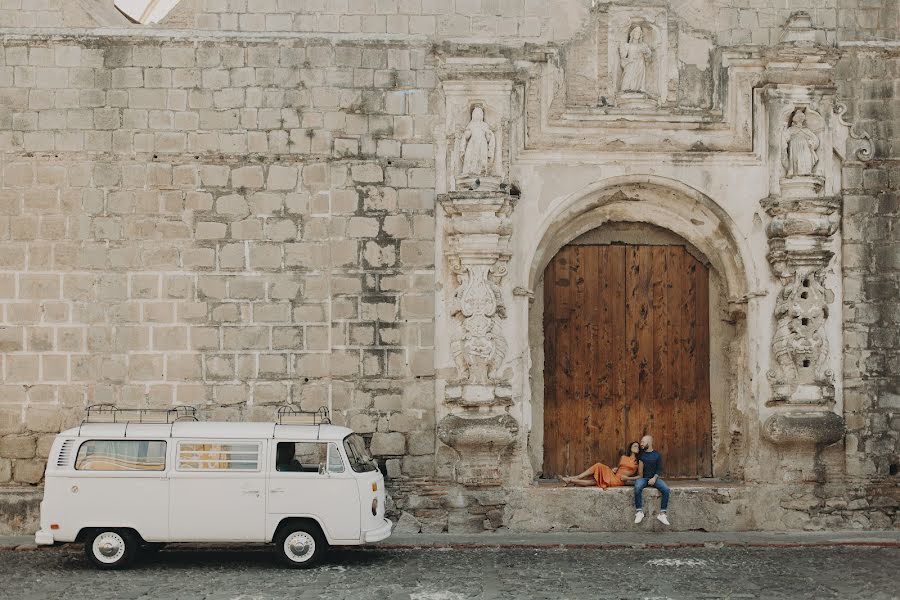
[227,225]
[871,227]
[734,21]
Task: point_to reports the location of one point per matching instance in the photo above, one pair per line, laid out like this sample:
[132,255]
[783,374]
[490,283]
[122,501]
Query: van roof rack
[110,413]
[289,414]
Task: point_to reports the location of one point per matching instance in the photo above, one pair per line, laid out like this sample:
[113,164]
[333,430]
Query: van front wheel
[300,546]
[110,548]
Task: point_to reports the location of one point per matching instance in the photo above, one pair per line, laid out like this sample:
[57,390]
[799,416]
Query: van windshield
[356,452]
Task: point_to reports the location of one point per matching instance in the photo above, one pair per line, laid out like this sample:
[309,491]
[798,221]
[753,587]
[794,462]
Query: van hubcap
[299,546]
[109,547]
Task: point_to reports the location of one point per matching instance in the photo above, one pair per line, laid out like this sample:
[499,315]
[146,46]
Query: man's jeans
[640,484]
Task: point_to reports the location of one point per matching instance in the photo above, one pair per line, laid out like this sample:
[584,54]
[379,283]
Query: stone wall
[229,226]
[236,208]
[871,82]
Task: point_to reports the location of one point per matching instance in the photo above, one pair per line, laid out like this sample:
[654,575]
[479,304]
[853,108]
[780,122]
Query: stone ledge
[693,506]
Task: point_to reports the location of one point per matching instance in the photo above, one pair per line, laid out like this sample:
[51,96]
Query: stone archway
[647,205]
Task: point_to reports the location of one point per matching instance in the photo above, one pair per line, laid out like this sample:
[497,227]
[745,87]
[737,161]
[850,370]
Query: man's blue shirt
[652,463]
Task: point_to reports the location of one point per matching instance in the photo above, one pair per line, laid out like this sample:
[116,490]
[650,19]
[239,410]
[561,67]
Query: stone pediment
[692,98]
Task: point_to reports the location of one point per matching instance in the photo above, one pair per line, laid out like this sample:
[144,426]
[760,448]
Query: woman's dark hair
[628,448]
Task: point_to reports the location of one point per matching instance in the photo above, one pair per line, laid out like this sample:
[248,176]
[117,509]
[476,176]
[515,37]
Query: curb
[467,546]
[640,546]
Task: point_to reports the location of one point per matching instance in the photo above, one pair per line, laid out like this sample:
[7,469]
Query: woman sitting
[604,477]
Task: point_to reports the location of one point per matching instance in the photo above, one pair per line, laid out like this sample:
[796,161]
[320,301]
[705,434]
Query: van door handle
[251,492]
[276,491]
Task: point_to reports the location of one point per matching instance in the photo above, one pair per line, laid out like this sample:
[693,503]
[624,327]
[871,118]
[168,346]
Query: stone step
[692,507]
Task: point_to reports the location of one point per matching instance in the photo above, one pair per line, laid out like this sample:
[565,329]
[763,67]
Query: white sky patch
[677,562]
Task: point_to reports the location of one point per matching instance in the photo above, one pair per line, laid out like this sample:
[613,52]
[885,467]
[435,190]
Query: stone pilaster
[477,426]
[807,141]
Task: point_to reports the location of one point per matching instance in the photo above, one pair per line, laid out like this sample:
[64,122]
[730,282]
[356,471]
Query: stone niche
[638,45]
[636,59]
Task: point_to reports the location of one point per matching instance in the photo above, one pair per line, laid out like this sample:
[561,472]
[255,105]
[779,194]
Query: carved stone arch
[701,222]
[667,203]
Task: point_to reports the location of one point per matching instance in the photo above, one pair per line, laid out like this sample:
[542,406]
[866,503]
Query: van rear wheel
[110,548]
[300,546]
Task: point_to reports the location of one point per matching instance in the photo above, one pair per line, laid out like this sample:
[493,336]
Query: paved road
[444,574]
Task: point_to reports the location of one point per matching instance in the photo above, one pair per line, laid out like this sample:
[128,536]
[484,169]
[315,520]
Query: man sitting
[652,467]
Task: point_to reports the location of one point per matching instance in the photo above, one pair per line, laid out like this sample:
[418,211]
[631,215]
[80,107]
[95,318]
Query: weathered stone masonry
[267,201]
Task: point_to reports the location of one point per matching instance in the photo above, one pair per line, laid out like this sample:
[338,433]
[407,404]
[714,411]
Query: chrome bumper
[43,538]
[380,533]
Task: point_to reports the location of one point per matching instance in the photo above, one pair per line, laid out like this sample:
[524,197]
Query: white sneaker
[638,517]
[663,518]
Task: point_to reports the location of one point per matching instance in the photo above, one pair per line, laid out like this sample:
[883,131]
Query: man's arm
[659,467]
[638,475]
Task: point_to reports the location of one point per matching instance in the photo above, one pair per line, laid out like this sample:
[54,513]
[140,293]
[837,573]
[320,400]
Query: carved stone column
[805,131]
[477,391]
[477,250]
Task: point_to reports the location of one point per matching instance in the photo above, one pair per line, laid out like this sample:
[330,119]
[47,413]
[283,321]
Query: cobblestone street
[441,574]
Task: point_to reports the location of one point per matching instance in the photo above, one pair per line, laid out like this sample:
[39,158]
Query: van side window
[301,457]
[218,456]
[121,455]
[356,452]
[335,462]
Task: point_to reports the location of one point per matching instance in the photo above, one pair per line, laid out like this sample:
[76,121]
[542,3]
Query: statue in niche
[634,56]
[478,145]
[800,145]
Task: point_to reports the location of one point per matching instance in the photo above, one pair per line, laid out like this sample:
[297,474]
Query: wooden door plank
[564,382]
[593,446]
[675,256]
[689,455]
[575,401]
[658,402]
[604,415]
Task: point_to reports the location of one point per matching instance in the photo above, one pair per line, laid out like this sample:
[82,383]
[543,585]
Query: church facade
[500,240]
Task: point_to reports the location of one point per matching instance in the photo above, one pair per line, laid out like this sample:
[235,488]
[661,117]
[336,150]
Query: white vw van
[128,479]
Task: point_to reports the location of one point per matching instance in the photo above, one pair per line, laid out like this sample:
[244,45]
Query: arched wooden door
[626,353]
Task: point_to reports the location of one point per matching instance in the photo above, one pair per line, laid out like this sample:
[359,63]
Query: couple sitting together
[641,465]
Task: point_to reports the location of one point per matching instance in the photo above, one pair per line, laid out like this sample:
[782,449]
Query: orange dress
[605,477]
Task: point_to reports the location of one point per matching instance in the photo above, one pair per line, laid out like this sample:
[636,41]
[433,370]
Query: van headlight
[374,507]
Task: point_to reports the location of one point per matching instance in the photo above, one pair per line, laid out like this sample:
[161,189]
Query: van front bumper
[380,533]
[43,538]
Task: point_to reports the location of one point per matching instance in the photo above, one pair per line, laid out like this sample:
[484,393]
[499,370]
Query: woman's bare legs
[583,482]
[582,479]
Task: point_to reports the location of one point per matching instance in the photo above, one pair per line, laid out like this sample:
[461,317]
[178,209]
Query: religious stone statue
[800,148]
[634,56]
[477,146]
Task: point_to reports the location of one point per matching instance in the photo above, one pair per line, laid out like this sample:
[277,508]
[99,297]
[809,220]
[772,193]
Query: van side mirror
[323,468]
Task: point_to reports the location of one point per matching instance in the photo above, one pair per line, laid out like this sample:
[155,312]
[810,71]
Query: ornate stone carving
[478,236]
[479,346]
[481,442]
[847,141]
[477,153]
[799,236]
[804,427]
[633,56]
[637,54]
[799,148]
[799,347]
[478,231]
[475,392]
